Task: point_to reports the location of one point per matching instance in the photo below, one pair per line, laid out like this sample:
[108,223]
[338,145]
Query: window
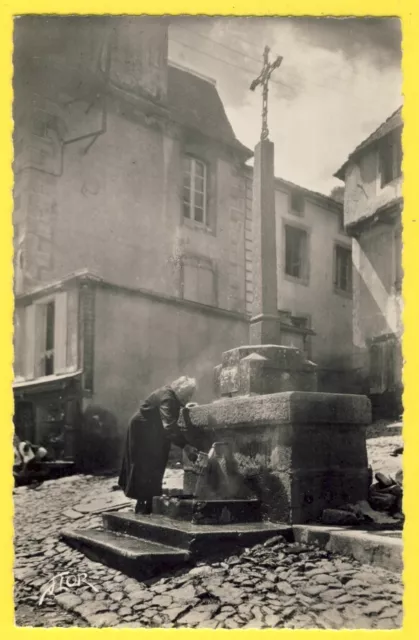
[297,202]
[390,158]
[46,319]
[343,269]
[44,344]
[296,253]
[194,190]
[383,359]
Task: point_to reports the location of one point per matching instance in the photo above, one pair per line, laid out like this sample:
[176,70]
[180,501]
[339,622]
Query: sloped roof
[194,102]
[393,122]
[315,196]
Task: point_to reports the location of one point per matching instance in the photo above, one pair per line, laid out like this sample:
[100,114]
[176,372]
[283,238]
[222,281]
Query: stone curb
[363,546]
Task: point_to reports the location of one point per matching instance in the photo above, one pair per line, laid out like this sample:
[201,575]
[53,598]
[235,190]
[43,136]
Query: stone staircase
[179,532]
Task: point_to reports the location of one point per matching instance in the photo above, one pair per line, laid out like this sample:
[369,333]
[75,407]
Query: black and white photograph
[207,259]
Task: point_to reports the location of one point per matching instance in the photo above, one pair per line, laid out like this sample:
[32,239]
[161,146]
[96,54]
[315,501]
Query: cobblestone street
[277,584]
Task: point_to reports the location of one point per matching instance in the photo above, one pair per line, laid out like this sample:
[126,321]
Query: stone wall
[329,312]
[143,342]
[111,203]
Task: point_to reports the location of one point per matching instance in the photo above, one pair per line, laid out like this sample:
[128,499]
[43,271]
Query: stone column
[264,324]
[264,366]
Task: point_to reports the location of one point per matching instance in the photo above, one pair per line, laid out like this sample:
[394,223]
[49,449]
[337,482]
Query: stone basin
[299,452]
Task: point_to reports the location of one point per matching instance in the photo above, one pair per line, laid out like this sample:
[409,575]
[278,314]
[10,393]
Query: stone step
[374,548]
[132,556]
[199,540]
[215,512]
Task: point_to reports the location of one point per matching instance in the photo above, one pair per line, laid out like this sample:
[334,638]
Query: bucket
[193,471]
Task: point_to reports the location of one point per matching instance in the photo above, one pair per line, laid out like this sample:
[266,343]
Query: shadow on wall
[387,405]
[342,381]
[99,447]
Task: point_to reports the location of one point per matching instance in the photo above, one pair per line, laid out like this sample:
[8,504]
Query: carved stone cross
[263,79]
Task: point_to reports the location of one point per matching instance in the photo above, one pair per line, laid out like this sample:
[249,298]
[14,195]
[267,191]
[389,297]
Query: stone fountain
[288,451]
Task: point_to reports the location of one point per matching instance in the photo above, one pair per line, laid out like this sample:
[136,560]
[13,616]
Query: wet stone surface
[272,585]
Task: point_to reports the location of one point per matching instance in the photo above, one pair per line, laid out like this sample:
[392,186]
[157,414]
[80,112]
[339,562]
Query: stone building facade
[372,212]
[314,279]
[133,233]
[129,219]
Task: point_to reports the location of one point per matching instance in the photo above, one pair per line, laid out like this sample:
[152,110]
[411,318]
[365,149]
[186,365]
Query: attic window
[296,253]
[297,202]
[195,190]
[390,158]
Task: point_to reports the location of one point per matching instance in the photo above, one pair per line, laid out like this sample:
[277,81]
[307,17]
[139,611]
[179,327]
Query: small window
[296,253]
[46,319]
[297,202]
[195,190]
[343,269]
[390,158]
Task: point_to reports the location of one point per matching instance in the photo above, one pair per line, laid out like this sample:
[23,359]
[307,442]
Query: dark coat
[151,431]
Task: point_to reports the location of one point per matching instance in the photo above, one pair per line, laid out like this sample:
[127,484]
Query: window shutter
[390,353]
[377,368]
[29,367]
[60,333]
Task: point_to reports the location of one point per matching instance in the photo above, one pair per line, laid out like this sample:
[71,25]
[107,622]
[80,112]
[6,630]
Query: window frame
[304,276]
[194,160]
[339,246]
[41,352]
[391,144]
[295,193]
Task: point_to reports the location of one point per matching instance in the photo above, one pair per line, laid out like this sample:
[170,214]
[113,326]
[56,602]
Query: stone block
[204,512]
[263,369]
[300,453]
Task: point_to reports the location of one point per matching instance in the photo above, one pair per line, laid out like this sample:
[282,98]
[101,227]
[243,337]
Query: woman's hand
[191,453]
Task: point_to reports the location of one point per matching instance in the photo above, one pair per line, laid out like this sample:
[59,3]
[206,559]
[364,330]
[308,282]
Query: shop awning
[46,383]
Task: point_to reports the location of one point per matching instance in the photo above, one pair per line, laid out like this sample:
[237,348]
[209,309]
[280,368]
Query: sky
[338,81]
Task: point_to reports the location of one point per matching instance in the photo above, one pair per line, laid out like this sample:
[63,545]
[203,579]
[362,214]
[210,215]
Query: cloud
[319,51]
[378,39]
[342,78]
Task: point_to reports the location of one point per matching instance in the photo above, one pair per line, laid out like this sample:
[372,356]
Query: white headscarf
[184,387]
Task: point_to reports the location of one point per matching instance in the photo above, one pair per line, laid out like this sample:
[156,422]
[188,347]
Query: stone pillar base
[265,329]
[263,369]
[299,452]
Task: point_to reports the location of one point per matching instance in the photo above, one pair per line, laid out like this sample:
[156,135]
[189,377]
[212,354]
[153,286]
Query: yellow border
[408,10]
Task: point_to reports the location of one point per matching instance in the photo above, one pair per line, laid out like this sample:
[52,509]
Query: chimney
[139,55]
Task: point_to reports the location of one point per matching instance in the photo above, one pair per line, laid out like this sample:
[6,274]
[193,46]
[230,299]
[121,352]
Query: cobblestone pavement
[273,585]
